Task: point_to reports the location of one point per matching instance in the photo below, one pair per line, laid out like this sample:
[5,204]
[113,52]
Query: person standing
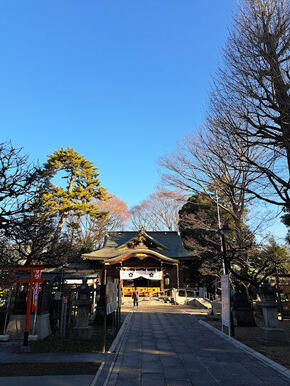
[135,297]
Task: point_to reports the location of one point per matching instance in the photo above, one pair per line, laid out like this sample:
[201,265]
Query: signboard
[132,274]
[35,293]
[226,305]
[112,296]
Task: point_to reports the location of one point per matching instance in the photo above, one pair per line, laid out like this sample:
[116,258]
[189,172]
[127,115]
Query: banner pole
[7,310]
[28,309]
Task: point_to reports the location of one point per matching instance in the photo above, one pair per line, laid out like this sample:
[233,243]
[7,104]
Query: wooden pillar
[162,282]
[121,287]
[121,281]
[28,309]
[104,292]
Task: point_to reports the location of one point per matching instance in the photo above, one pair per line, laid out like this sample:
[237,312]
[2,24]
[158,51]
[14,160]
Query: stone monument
[242,309]
[270,333]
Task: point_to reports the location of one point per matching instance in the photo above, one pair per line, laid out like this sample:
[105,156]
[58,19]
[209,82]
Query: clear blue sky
[119,81]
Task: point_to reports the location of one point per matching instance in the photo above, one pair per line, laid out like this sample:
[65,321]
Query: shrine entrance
[147,282]
[143,282]
[148,261]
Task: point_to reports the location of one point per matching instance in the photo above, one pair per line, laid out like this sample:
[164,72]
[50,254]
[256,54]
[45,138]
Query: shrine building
[149,261]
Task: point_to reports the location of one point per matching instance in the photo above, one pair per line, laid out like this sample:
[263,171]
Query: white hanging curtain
[132,274]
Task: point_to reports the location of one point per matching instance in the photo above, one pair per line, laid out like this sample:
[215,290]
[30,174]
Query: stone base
[82,333]
[273,336]
[33,338]
[4,338]
[16,325]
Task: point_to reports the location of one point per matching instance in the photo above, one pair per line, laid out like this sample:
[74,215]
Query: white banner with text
[132,274]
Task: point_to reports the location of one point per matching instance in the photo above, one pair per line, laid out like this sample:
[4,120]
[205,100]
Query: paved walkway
[162,345]
[162,348]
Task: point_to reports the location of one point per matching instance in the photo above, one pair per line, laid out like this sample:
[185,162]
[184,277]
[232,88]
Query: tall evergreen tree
[80,193]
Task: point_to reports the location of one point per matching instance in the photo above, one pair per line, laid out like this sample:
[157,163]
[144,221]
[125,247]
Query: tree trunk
[58,230]
[281,91]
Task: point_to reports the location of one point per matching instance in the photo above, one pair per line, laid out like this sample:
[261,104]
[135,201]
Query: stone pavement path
[173,349]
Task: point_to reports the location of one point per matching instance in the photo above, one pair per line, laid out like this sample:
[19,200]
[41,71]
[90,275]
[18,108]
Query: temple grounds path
[166,345]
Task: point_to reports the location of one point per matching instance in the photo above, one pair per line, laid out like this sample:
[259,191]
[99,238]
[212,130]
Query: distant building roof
[164,244]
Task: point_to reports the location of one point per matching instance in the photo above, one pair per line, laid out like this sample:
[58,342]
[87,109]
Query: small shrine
[149,261]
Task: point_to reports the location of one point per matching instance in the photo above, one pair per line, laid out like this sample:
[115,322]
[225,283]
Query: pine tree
[79,194]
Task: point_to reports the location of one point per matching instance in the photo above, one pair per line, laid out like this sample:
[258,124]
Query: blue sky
[119,81]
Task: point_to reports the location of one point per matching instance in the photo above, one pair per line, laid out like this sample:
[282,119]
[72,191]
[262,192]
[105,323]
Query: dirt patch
[250,337]
[39,369]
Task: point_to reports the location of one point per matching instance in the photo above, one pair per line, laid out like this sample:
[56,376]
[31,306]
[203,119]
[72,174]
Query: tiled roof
[165,243]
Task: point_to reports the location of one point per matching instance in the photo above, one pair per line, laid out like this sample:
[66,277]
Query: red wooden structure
[33,288]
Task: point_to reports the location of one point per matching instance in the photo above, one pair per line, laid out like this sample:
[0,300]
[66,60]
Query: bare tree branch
[159,211]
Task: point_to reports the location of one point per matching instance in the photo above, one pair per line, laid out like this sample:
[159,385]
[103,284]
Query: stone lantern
[271,333]
[83,303]
[82,330]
